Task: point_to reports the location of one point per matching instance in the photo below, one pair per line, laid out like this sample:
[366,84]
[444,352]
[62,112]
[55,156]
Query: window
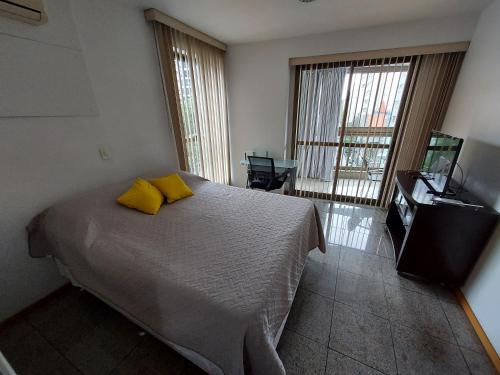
[346,117]
[195,88]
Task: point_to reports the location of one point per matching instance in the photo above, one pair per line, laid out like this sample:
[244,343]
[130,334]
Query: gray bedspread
[215,273]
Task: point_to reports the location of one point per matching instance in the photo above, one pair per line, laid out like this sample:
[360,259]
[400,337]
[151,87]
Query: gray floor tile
[104,347]
[301,356]
[364,337]
[331,255]
[391,276]
[417,353]
[366,220]
[361,264]
[341,236]
[29,353]
[153,357]
[357,220]
[192,369]
[461,327]
[445,294]
[322,205]
[377,215]
[369,242]
[348,209]
[66,320]
[336,223]
[339,364]
[121,328]
[311,316]
[375,244]
[479,363]
[358,224]
[419,312]
[362,292]
[319,277]
[369,215]
[14,332]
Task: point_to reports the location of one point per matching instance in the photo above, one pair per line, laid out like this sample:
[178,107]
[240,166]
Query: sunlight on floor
[361,188]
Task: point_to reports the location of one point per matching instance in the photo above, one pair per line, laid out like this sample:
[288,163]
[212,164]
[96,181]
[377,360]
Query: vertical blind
[432,83]
[195,86]
[357,122]
[353,130]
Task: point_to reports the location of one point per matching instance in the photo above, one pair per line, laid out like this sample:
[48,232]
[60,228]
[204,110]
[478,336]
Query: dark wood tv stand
[439,242]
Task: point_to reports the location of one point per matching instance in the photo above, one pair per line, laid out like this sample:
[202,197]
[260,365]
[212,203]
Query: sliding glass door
[346,118]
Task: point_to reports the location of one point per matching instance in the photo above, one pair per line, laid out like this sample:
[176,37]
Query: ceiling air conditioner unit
[30,11]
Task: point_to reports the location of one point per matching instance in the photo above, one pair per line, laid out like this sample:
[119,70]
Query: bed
[213,275]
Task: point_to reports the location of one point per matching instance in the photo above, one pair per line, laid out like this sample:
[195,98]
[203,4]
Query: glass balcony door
[345,127]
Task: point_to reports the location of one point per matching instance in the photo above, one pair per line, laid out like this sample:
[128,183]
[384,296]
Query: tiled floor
[352,314]
[78,334]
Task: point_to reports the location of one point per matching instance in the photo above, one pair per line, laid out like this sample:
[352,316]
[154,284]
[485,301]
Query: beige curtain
[195,88]
[430,89]
[318,121]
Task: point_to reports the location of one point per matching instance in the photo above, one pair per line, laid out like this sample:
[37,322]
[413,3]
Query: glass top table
[278,163]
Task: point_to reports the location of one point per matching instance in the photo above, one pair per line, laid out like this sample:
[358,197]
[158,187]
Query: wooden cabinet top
[411,184]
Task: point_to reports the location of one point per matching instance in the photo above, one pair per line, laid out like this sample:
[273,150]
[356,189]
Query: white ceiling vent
[30,11]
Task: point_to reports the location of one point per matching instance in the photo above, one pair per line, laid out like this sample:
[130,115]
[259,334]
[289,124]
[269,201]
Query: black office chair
[262,175]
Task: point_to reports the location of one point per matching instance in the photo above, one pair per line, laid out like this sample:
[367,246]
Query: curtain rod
[382,53]
[155,15]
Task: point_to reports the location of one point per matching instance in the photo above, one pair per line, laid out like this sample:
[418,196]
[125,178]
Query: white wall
[46,159]
[473,115]
[259,75]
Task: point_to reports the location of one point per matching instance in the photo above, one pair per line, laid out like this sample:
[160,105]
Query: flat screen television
[440,160]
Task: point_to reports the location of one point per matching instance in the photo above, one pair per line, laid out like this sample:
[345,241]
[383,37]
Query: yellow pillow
[173,187]
[143,197]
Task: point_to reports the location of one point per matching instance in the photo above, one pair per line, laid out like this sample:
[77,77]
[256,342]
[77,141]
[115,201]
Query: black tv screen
[440,160]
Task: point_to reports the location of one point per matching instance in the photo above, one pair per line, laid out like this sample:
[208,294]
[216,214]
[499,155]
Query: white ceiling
[242,21]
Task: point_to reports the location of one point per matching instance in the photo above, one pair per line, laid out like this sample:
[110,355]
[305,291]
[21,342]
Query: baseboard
[490,350]
[9,321]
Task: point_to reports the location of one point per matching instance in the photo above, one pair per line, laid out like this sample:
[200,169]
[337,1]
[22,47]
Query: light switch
[104,153]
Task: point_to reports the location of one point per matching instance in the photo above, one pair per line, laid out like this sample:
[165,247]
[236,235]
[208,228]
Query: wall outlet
[104,152]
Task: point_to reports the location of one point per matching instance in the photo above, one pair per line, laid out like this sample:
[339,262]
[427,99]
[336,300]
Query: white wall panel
[38,79]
